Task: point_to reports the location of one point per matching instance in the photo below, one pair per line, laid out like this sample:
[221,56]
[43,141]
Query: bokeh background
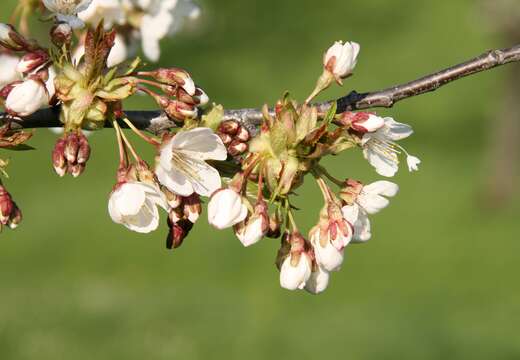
[439,279]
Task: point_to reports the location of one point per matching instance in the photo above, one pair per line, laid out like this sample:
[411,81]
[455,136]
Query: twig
[155,121]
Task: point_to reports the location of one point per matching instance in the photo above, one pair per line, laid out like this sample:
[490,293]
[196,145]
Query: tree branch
[156,121]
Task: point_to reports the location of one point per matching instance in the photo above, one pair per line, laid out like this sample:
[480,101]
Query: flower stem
[323,186]
[322,171]
[129,145]
[139,133]
[123,156]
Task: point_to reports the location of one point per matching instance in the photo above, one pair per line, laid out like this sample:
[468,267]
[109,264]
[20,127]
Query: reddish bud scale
[178,232]
[31,61]
[61,34]
[229,127]
[71,154]
[6,206]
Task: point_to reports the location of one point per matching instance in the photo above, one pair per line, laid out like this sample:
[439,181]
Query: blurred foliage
[438,279]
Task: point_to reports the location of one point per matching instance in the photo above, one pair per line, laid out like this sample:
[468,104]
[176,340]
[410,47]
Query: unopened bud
[178,110]
[174,200]
[229,127]
[61,33]
[58,158]
[76,169]
[11,39]
[72,147]
[200,97]
[177,234]
[16,218]
[175,76]
[226,139]
[31,61]
[237,148]
[175,215]
[84,150]
[243,134]
[192,207]
[6,206]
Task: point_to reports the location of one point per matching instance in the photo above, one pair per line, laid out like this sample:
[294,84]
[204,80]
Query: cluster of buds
[180,98]
[70,154]
[184,213]
[234,136]
[27,75]
[10,214]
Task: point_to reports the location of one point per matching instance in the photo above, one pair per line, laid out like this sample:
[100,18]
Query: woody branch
[156,121]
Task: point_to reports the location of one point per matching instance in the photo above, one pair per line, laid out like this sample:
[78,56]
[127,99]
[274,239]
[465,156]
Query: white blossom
[134,205]
[226,208]
[370,200]
[318,281]
[294,277]
[382,151]
[27,97]
[181,165]
[341,59]
[8,72]
[328,256]
[161,18]
[112,12]
[251,232]
[67,10]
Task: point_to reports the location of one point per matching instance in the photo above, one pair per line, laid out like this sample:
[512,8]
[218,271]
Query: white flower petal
[396,131]
[382,187]
[201,143]
[174,180]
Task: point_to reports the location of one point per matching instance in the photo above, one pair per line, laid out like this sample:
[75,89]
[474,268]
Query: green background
[439,279]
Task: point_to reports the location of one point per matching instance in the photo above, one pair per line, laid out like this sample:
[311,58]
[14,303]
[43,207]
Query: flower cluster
[147,21]
[249,177]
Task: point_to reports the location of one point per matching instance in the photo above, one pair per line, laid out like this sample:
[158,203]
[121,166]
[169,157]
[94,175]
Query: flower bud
[16,218]
[58,158]
[255,228]
[226,208]
[318,281]
[229,127]
[11,39]
[83,151]
[362,122]
[200,97]
[327,256]
[275,226]
[226,139]
[295,271]
[236,148]
[175,215]
[178,110]
[8,73]
[76,170]
[72,147]
[27,97]
[174,200]
[192,207]
[340,59]
[175,76]
[6,206]
[61,34]
[178,232]
[31,61]
[243,134]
